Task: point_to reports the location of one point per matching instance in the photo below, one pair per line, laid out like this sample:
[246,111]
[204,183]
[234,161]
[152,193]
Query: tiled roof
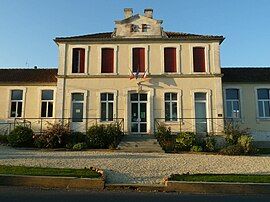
[28,75]
[246,74]
[109,36]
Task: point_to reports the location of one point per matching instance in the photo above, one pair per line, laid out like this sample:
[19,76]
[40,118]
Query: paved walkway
[147,168]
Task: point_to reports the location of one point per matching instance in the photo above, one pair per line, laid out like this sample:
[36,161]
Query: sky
[28,27]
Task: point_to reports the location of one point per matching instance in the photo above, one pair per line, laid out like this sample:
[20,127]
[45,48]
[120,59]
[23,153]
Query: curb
[217,187]
[136,187]
[52,182]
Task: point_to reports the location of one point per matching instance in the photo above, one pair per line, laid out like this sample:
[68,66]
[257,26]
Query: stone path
[146,168]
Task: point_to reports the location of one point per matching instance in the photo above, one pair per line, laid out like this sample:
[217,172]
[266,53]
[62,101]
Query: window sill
[262,119]
[107,74]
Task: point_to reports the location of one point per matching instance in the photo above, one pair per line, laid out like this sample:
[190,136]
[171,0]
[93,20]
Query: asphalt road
[22,194]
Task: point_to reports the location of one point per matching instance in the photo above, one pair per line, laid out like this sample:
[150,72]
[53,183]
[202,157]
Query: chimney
[148,12]
[35,67]
[128,12]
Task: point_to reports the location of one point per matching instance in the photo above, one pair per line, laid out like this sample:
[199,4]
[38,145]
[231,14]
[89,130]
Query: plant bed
[51,177]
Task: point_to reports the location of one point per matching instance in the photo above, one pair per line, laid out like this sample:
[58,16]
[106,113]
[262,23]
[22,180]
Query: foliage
[57,135]
[232,150]
[245,141]
[104,136]
[3,139]
[77,137]
[21,137]
[210,144]
[196,148]
[233,132]
[184,141]
[164,137]
[79,146]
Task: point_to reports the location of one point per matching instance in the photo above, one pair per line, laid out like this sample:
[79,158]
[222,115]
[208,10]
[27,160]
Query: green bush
[79,146]
[210,144]
[104,136]
[57,135]
[77,137]
[196,148]
[232,150]
[21,137]
[164,137]
[3,139]
[233,132]
[245,141]
[184,141]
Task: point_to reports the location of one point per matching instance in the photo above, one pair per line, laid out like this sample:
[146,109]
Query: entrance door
[138,112]
[77,112]
[200,113]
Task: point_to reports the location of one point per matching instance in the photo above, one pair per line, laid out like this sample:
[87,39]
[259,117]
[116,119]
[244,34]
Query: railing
[5,128]
[39,125]
[197,125]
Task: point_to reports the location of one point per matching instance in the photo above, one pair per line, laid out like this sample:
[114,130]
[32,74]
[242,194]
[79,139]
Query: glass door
[138,112]
[77,111]
[200,113]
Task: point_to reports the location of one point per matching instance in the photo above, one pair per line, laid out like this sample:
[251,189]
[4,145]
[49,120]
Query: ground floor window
[170,106]
[106,100]
[264,102]
[200,112]
[232,103]
[47,103]
[77,107]
[16,104]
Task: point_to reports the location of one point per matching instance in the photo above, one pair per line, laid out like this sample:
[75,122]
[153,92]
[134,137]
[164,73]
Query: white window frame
[239,100]
[85,93]
[146,52]
[263,100]
[170,101]
[106,107]
[207,58]
[23,89]
[86,59]
[115,59]
[178,58]
[47,104]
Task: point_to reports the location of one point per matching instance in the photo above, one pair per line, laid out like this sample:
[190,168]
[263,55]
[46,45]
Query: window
[144,27]
[138,60]
[232,103]
[200,113]
[198,59]
[78,58]
[16,103]
[77,107]
[107,61]
[47,103]
[106,100]
[264,102]
[170,59]
[170,106]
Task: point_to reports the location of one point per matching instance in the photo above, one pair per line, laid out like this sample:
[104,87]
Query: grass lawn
[221,178]
[43,171]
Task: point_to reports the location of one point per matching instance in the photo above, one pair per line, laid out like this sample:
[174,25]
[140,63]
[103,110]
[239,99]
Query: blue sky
[28,27]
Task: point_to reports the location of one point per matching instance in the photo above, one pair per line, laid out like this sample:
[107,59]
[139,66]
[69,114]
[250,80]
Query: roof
[28,75]
[246,74]
[108,36]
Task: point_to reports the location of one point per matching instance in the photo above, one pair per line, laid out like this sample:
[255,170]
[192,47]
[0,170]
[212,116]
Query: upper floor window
[144,27]
[78,59]
[264,102]
[47,103]
[198,59]
[107,61]
[233,103]
[170,59]
[106,100]
[170,106]
[138,60]
[16,104]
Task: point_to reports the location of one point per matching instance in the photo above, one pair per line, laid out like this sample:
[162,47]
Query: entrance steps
[140,144]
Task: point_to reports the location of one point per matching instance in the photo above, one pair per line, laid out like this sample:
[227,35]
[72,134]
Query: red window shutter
[138,59]
[82,59]
[170,59]
[107,62]
[198,59]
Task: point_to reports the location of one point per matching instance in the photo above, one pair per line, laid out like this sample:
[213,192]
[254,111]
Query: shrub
[233,132]
[79,146]
[164,137]
[232,150]
[3,139]
[210,144]
[57,135]
[21,137]
[184,141]
[245,141]
[104,136]
[77,137]
[196,148]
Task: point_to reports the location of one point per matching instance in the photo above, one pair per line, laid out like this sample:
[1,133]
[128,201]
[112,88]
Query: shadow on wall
[157,83]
